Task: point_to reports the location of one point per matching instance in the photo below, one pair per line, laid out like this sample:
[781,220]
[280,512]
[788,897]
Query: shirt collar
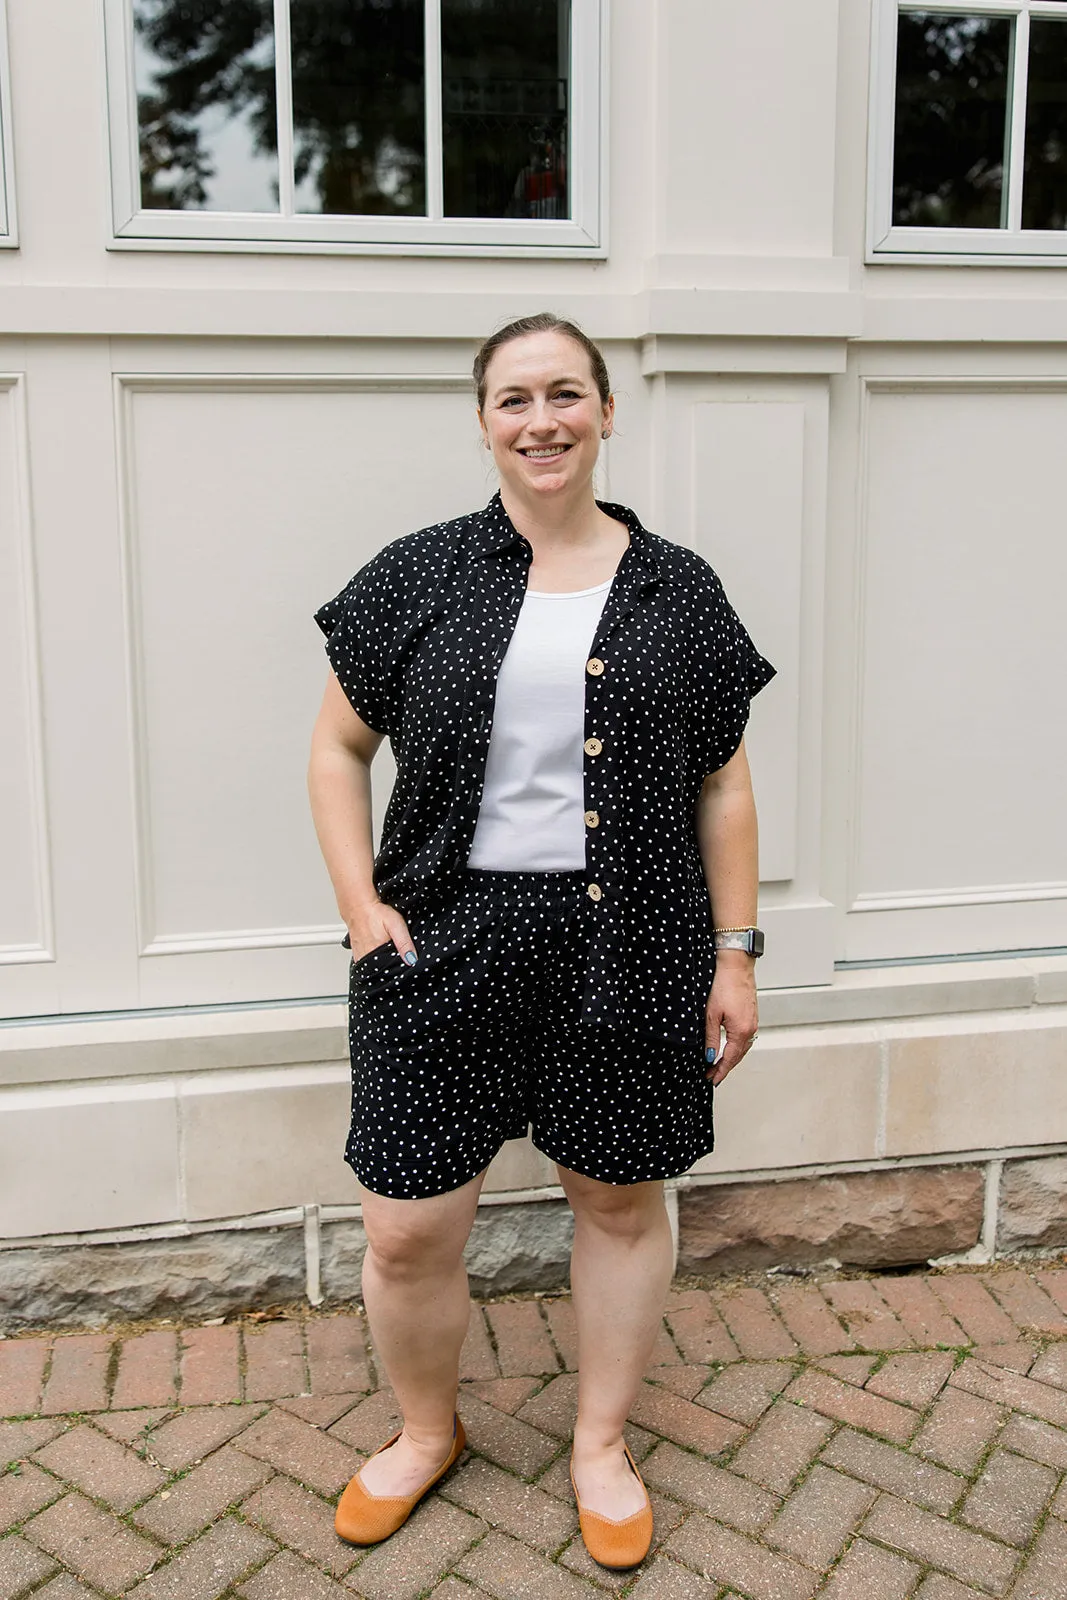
[494,531]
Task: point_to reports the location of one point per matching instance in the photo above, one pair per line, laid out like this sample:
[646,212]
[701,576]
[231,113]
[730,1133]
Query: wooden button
[592,819]
[593,747]
[594,666]
[594,891]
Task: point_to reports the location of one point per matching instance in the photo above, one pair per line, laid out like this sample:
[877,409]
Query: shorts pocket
[375,954]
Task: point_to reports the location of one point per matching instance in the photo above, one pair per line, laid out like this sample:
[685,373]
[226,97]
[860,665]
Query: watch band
[750,940]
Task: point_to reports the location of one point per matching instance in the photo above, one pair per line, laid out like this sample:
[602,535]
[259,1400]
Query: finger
[405,945]
[712,1034]
[737,1046]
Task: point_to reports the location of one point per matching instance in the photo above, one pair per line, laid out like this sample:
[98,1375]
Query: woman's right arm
[342,749]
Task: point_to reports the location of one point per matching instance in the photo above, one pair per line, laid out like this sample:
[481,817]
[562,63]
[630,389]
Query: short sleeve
[728,672]
[358,643]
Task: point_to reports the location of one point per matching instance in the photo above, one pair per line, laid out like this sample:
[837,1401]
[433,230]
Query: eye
[511,401]
[568,394]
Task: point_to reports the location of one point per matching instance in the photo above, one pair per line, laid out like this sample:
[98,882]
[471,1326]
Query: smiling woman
[536,943]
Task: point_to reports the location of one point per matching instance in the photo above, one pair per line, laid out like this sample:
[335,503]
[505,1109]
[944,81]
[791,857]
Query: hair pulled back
[540,322]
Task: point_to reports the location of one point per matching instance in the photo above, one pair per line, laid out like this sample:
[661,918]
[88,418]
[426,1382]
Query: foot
[605,1482]
[405,1466]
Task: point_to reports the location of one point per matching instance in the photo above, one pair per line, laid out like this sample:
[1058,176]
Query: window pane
[953,74]
[1045,181]
[506,74]
[359,120]
[206,104]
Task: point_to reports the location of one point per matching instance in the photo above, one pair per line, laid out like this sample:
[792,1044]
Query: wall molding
[872,385]
[13,389]
[151,940]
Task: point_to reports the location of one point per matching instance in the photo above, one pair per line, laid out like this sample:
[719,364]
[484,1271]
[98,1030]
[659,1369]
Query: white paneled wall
[249,503]
[961,785]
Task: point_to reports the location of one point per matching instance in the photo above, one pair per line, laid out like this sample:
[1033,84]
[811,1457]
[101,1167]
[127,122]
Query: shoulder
[685,567]
[412,560]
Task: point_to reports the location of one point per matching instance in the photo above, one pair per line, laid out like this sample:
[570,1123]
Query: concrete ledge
[145,1044]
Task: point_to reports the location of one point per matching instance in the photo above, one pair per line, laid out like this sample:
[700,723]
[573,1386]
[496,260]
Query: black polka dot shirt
[416,640]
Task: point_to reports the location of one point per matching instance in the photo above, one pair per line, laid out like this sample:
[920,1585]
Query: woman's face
[543,418]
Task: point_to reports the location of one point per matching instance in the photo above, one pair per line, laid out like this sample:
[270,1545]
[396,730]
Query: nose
[540,418]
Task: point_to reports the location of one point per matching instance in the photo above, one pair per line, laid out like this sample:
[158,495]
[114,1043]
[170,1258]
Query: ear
[607,415]
[482,427]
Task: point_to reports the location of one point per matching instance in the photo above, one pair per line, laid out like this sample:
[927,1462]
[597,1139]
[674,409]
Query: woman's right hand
[376,923]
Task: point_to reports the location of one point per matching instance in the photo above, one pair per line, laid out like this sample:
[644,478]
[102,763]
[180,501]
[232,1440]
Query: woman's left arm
[728,840]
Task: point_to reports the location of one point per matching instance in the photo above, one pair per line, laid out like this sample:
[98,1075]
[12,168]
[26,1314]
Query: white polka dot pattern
[483,1038]
[416,640]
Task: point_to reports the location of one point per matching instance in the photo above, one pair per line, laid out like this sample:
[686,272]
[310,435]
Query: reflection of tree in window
[949,143]
[1045,178]
[358,98]
[206,75]
[506,67]
[206,103]
[358,106]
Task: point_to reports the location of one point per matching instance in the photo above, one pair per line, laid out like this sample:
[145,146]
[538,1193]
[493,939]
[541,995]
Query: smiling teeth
[556,450]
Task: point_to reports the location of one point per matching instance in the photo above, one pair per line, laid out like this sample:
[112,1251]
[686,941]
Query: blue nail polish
[710,1056]
[410,957]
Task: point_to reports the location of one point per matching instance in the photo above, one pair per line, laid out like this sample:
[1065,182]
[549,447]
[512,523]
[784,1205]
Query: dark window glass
[206,104]
[359,119]
[506,72]
[953,74]
[1045,179]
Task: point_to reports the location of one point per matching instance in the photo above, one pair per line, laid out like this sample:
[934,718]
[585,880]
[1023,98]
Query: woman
[566,695]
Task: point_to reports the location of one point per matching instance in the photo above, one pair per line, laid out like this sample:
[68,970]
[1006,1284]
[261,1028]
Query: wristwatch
[750,940]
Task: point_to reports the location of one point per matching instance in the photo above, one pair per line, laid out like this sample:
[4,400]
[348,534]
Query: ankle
[429,1441]
[591,1447]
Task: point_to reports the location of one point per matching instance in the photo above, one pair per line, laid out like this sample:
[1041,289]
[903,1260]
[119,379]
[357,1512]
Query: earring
[606,434]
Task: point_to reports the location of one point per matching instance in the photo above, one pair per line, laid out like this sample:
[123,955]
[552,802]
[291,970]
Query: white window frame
[582,235]
[1013,244]
[9,236]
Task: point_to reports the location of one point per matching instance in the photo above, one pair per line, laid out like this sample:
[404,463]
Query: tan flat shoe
[364,1518]
[613,1543]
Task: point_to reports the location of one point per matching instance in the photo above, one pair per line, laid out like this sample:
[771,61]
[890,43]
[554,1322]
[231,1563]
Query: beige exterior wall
[197,448]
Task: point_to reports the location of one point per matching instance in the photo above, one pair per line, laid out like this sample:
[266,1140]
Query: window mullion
[1017,122]
[435,185]
[283,82]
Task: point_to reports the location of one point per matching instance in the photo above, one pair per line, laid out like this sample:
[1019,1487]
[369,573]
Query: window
[969,133]
[8,230]
[469,126]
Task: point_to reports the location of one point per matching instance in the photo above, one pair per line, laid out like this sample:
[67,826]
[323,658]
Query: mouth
[548,452]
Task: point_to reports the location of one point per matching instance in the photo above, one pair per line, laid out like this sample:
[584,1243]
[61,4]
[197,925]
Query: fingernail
[710,1055]
[410,957]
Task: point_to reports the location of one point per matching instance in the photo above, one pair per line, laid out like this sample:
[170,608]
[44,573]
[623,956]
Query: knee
[402,1249]
[625,1211]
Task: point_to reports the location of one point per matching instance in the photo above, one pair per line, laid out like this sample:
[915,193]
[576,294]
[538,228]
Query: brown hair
[541,322]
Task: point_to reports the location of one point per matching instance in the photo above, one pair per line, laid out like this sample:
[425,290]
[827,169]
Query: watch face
[757,942]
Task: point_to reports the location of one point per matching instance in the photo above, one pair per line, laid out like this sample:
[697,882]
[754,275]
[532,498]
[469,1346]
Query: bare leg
[418,1305]
[621,1269]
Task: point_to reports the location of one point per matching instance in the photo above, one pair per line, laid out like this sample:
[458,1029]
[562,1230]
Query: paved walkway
[857,1439]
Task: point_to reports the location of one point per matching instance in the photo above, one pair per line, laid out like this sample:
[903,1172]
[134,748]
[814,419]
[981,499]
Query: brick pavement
[855,1438]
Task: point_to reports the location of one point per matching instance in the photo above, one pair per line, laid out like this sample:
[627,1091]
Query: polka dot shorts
[481,1041]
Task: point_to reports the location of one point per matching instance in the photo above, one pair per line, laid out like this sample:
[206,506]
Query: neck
[572,519]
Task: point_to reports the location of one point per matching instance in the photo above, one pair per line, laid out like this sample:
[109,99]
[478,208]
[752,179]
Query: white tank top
[532,813]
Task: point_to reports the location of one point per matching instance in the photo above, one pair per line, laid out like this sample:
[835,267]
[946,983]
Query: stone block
[512,1249]
[966,1083]
[873,1219]
[803,1096]
[86,1157]
[206,1275]
[263,1140]
[520,1247]
[1033,1204]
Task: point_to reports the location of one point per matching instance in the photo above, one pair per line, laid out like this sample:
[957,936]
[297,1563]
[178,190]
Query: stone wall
[889,1217]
